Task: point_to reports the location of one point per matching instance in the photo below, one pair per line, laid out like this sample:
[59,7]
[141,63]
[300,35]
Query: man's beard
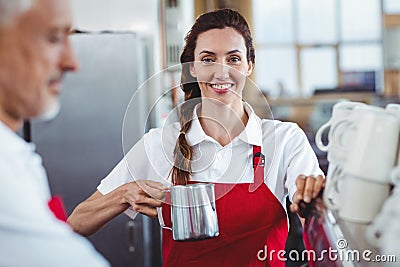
[50,113]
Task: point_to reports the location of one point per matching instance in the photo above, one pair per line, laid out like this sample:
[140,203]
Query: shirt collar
[252,134]
[12,142]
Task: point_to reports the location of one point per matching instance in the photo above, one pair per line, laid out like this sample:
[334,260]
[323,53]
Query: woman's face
[221,66]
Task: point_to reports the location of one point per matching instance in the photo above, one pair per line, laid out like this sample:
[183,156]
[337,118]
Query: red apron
[251,222]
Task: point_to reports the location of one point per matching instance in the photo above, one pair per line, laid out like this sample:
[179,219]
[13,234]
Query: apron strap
[258,166]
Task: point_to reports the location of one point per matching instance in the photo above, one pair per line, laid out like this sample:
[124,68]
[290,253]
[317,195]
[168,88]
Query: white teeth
[221,86]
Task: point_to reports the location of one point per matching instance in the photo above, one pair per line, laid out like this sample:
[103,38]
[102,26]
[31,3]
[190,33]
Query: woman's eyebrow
[227,53]
[234,51]
[207,52]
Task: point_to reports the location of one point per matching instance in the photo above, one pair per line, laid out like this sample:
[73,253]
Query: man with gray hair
[34,54]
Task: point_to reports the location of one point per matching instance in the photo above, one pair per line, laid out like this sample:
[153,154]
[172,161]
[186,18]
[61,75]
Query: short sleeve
[148,159]
[121,174]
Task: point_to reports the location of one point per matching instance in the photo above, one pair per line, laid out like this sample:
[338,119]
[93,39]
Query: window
[318,67]
[316,22]
[279,67]
[304,45]
[353,57]
[360,20]
[391,6]
[275,22]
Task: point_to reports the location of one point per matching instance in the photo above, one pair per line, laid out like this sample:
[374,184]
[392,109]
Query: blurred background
[310,54]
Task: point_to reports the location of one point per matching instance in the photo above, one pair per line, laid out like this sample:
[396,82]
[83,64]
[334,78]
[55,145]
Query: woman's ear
[250,69]
[192,70]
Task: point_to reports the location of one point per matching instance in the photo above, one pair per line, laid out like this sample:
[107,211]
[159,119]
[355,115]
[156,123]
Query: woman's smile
[221,88]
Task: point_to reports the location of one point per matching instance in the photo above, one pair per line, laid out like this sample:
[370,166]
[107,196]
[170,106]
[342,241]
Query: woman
[218,139]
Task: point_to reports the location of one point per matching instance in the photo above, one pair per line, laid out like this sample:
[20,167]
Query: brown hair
[218,19]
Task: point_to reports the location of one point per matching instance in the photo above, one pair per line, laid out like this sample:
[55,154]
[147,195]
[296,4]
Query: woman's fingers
[308,187]
[144,196]
[153,189]
[146,210]
[318,185]
[298,195]
[300,184]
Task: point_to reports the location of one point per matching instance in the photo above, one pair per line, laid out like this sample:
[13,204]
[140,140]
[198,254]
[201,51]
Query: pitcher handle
[161,219]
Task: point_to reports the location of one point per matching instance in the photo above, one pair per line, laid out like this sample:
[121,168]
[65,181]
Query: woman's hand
[144,196]
[308,188]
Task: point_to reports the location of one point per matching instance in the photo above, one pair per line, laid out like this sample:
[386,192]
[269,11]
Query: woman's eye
[207,60]
[234,59]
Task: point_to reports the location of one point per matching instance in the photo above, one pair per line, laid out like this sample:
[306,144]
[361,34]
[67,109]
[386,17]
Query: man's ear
[192,70]
[250,69]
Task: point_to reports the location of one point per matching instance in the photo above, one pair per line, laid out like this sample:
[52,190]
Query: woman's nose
[221,71]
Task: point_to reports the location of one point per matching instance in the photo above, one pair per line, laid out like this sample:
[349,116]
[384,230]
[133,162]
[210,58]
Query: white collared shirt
[30,235]
[285,146]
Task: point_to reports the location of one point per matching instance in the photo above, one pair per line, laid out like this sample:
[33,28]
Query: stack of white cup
[363,145]
[339,139]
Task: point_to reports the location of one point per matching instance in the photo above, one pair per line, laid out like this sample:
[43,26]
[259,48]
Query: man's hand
[308,187]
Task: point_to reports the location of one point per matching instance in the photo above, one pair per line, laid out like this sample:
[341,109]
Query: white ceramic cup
[333,186]
[360,200]
[373,151]
[395,109]
[337,141]
[395,175]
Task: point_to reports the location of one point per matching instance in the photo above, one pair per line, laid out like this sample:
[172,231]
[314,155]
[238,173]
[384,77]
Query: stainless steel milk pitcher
[193,212]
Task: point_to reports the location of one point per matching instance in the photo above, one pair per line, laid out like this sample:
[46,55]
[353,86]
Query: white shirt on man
[30,234]
[285,146]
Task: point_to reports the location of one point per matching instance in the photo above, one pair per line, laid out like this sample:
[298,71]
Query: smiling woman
[219,50]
